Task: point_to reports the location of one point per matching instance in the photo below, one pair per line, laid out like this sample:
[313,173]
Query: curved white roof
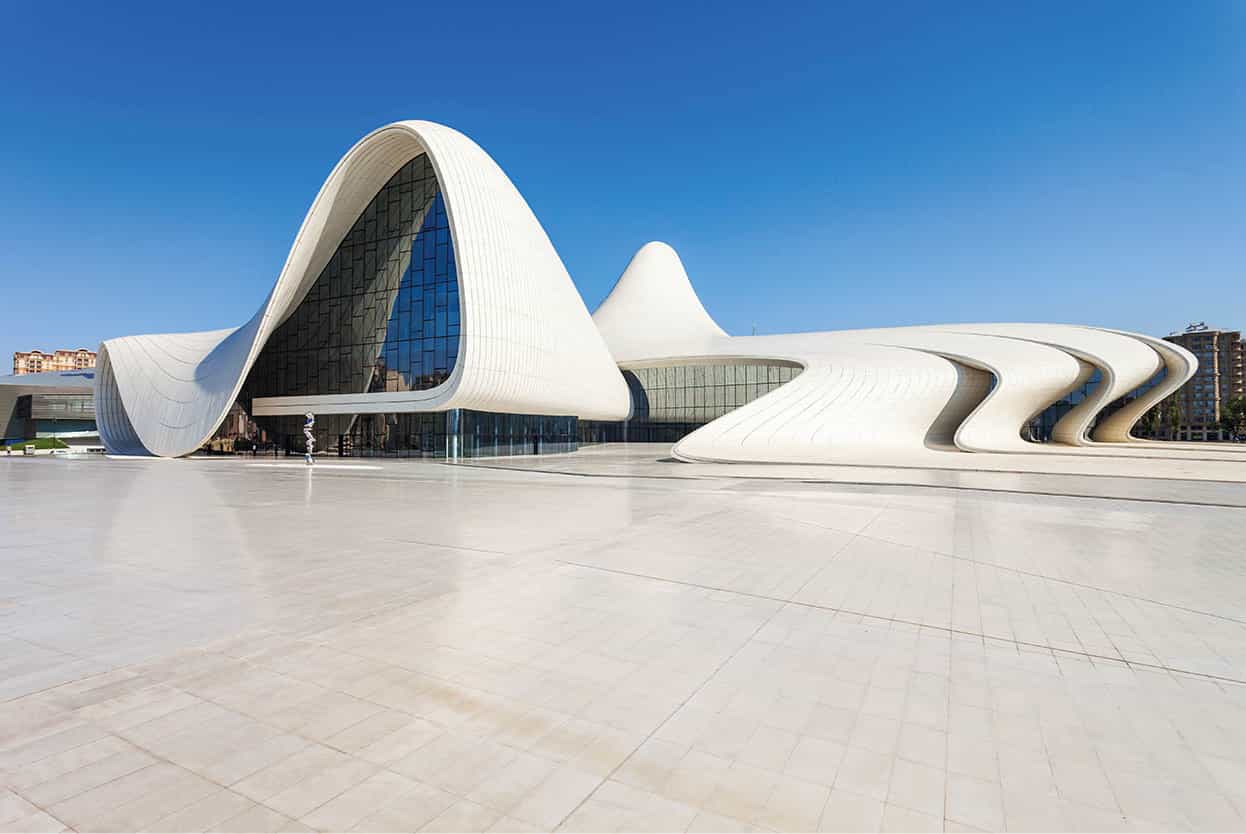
[528,346]
[166,394]
[654,290]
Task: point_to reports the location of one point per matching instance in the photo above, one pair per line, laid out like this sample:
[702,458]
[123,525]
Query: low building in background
[51,404]
[1198,411]
[38,362]
[49,395]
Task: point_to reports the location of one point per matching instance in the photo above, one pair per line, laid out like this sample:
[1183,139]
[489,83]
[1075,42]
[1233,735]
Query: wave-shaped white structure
[528,345]
[892,395]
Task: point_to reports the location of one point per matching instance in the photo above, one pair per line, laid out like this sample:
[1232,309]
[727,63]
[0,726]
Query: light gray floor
[622,643]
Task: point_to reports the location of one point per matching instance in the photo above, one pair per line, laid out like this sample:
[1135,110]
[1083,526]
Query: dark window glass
[669,402]
[442,434]
[383,314]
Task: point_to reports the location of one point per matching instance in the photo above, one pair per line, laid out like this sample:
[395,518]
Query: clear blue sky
[818,166]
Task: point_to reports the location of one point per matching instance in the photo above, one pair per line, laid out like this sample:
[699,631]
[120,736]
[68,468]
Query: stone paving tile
[703,654]
[463,816]
[204,814]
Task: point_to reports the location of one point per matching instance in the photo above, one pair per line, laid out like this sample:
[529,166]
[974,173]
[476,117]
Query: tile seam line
[43,810]
[50,648]
[792,480]
[914,623]
[157,760]
[669,715]
[865,484]
[952,470]
[852,538]
[463,547]
[713,674]
[1032,574]
[297,733]
[862,484]
[359,619]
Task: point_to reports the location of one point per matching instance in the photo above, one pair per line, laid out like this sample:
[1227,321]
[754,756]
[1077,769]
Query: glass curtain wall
[384,313]
[458,433]
[669,402]
[1040,427]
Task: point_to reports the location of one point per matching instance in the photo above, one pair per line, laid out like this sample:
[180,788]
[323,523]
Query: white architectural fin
[653,311]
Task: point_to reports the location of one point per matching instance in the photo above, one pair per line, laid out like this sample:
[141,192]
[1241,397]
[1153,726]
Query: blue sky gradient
[817,166]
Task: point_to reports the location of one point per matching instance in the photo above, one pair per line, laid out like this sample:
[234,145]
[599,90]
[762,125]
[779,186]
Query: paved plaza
[614,641]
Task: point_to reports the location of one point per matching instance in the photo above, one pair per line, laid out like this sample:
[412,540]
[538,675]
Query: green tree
[1233,416]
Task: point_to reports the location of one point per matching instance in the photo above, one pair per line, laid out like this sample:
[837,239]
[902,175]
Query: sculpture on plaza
[308,424]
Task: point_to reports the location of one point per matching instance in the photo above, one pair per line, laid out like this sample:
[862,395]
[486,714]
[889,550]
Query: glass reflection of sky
[421,336]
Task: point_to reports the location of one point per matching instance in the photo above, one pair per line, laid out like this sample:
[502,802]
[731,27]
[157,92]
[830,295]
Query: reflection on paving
[1064,475]
[212,645]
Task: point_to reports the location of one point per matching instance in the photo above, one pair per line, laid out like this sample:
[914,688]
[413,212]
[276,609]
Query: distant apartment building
[37,362]
[1196,408]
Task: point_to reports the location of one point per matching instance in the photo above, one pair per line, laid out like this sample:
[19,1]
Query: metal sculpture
[308,424]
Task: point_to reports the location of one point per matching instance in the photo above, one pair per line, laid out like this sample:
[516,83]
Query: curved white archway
[166,394]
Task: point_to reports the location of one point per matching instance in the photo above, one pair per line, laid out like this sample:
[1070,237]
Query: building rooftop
[1194,328]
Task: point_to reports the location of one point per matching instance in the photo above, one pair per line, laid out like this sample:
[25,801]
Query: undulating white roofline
[891,395]
[528,344]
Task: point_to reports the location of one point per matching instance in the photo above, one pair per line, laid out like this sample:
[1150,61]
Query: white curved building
[423,310]
[419,283]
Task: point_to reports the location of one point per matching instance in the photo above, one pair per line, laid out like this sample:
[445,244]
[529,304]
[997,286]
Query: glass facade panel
[383,316]
[50,415]
[672,401]
[384,313]
[1041,426]
[61,406]
[431,434]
